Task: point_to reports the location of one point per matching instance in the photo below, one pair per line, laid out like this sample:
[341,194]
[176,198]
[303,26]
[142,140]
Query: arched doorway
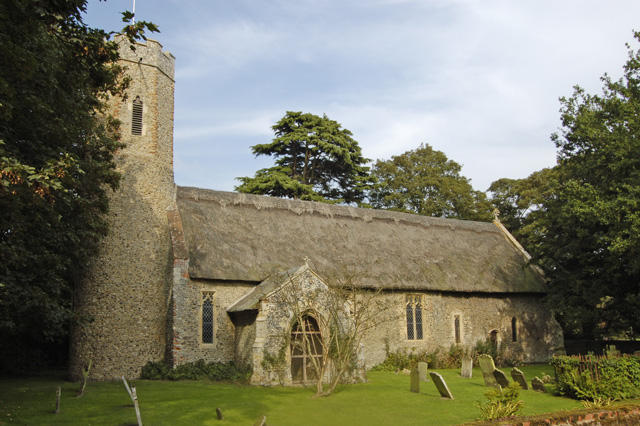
[306,350]
[493,338]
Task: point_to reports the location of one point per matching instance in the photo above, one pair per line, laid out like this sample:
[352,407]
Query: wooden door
[306,349]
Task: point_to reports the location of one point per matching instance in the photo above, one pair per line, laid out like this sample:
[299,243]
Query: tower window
[136,117]
[414,317]
[514,329]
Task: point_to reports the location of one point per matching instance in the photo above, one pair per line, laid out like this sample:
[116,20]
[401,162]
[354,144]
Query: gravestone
[538,385]
[611,351]
[487,366]
[441,385]
[501,378]
[518,377]
[422,370]
[467,367]
[415,381]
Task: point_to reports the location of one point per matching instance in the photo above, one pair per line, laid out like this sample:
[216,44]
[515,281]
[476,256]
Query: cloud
[477,79]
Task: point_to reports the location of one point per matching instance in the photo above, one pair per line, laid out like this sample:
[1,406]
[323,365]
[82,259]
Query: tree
[316,159]
[521,203]
[424,181]
[56,162]
[589,239]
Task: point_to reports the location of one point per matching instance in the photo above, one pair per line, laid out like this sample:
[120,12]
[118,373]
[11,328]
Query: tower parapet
[124,300]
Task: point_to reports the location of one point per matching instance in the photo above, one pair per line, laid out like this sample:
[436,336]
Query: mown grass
[384,400]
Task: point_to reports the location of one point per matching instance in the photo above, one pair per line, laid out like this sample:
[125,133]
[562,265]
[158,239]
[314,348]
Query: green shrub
[501,404]
[502,356]
[617,378]
[199,370]
[402,358]
[487,347]
[453,358]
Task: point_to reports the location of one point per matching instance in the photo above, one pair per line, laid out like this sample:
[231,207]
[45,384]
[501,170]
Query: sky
[479,80]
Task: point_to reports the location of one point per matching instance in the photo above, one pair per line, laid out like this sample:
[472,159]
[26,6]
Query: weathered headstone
[422,370]
[518,377]
[415,381]
[405,371]
[611,351]
[538,385]
[262,421]
[440,385]
[487,366]
[467,367]
[219,414]
[501,378]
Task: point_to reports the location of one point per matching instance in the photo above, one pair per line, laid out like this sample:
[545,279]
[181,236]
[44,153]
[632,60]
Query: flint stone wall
[538,335]
[186,329]
[124,299]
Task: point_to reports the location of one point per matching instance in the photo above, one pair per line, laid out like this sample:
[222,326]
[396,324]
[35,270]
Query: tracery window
[414,317]
[207,319]
[136,117]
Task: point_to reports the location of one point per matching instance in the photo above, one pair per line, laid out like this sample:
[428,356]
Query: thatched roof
[241,237]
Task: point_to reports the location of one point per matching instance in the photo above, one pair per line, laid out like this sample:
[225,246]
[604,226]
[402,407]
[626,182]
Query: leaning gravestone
[487,366]
[422,370]
[518,377]
[467,367]
[538,385]
[501,378]
[415,381]
[440,385]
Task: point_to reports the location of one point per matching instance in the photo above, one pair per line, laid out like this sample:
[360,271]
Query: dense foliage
[316,159]
[595,378]
[581,219]
[199,370]
[424,181]
[501,404]
[521,203]
[56,163]
[403,358]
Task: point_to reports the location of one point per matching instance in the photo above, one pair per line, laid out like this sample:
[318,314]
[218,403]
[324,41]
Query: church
[191,274]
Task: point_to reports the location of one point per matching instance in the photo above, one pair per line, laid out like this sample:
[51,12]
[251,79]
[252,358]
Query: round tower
[123,302]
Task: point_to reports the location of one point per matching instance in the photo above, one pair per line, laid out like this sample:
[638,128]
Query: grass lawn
[384,400]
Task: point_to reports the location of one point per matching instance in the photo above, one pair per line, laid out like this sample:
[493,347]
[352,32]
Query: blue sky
[476,79]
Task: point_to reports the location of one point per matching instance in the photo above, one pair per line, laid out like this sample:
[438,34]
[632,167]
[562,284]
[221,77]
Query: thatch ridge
[233,236]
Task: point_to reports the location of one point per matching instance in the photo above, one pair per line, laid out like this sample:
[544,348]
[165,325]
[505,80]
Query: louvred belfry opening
[136,117]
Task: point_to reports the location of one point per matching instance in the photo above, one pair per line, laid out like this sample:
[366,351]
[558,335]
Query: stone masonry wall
[187,346]
[124,301]
[538,334]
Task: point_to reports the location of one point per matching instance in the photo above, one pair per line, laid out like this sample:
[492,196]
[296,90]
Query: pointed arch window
[136,117]
[207,318]
[414,317]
